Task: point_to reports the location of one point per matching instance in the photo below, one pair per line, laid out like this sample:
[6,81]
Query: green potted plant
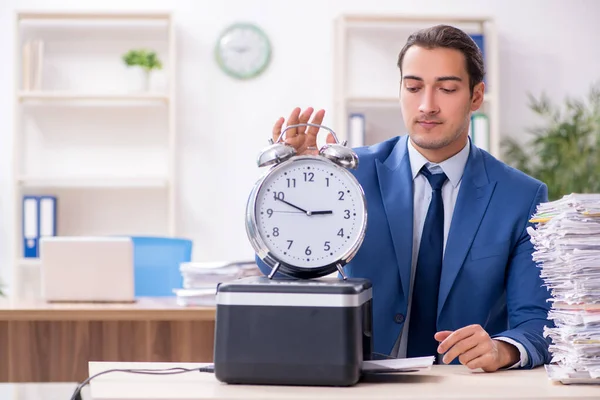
[564,152]
[146,60]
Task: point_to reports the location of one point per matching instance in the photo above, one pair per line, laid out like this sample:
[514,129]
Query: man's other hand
[475,349]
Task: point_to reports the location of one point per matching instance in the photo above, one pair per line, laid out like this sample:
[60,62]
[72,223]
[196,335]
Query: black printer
[293,332]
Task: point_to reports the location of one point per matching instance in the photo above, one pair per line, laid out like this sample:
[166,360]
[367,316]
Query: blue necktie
[427,277]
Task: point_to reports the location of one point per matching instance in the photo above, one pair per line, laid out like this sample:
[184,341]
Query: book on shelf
[39,220]
[480,42]
[356,129]
[32,64]
[479,130]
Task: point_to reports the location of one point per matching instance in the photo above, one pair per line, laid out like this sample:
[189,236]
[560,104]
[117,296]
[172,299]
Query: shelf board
[94,15]
[385,102]
[413,17]
[373,102]
[74,96]
[92,182]
[29,262]
[399,19]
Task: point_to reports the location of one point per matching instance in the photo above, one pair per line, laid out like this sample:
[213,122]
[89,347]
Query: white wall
[223,123]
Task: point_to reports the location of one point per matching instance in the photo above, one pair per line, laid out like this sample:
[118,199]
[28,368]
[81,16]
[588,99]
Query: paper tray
[397,365]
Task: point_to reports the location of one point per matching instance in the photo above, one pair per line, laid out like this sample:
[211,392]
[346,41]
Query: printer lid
[323,292]
[290,285]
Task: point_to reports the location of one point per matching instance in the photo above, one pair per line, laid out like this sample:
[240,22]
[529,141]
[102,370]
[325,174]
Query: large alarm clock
[306,216]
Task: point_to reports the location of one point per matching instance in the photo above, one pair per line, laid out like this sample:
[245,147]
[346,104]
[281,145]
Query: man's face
[435,98]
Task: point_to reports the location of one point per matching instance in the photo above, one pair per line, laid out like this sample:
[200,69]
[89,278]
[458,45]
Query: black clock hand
[290,204]
[321,212]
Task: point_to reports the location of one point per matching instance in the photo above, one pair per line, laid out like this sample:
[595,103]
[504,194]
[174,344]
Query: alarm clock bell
[279,151]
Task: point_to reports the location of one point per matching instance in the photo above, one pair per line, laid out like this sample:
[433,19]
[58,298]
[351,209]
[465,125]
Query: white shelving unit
[367,79]
[85,133]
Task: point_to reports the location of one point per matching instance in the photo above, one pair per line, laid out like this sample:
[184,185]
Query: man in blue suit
[446,246]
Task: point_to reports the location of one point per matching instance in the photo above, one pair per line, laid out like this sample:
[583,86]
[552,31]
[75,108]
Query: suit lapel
[396,186]
[472,201]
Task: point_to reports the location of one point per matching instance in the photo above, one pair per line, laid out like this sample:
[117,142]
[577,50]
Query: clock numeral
[341,232]
[327,246]
[309,177]
[291,182]
[278,196]
[341,195]
[269,212]
[276,231]
[308,252]
[290,244]
[347,214]
[327,180]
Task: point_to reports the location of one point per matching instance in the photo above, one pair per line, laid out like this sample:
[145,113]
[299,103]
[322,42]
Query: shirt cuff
[524,358]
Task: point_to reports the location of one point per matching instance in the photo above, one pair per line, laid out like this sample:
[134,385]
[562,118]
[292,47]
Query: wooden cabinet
[42,342]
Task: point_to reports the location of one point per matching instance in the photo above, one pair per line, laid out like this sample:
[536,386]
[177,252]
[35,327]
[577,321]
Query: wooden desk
[441,382]
[41,342]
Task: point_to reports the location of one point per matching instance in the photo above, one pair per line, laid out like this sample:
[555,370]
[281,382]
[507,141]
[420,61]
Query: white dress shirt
[453,168]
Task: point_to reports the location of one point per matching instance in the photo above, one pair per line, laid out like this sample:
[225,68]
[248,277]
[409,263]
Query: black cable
[168,371]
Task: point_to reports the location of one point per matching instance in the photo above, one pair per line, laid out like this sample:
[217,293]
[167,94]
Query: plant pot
[158,81]
[137,80]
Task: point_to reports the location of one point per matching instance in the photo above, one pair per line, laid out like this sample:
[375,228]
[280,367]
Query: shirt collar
[452,167]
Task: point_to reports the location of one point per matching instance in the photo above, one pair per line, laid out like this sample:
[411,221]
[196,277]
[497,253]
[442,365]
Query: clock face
[243,51]
[310,213]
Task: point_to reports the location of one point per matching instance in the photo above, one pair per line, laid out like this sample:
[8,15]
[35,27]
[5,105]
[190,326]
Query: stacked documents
[566,239]
[200,279]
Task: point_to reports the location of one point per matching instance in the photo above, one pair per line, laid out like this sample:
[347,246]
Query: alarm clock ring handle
[336,152]
[279,151]
[309,124]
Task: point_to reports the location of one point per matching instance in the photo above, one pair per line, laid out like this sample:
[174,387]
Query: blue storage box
[156,264]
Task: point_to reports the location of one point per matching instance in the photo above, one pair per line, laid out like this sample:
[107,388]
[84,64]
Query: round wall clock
[243,51]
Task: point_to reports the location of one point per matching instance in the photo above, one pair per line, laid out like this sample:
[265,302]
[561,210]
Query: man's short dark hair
[449,37]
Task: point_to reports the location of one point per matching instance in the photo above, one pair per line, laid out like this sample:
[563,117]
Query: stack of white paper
[566,238]
[200,279]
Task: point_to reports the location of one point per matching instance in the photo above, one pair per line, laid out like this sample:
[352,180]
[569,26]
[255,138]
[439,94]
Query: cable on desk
[168,371]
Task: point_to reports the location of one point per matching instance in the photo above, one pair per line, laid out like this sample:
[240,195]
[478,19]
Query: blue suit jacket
[488,275]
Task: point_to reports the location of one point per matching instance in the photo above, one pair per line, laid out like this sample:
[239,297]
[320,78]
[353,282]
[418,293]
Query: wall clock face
[243,51]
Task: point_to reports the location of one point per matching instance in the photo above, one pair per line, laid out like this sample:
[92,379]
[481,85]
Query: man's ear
[477,98]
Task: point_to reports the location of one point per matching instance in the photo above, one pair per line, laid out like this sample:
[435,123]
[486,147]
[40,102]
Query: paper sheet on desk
[398,364]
